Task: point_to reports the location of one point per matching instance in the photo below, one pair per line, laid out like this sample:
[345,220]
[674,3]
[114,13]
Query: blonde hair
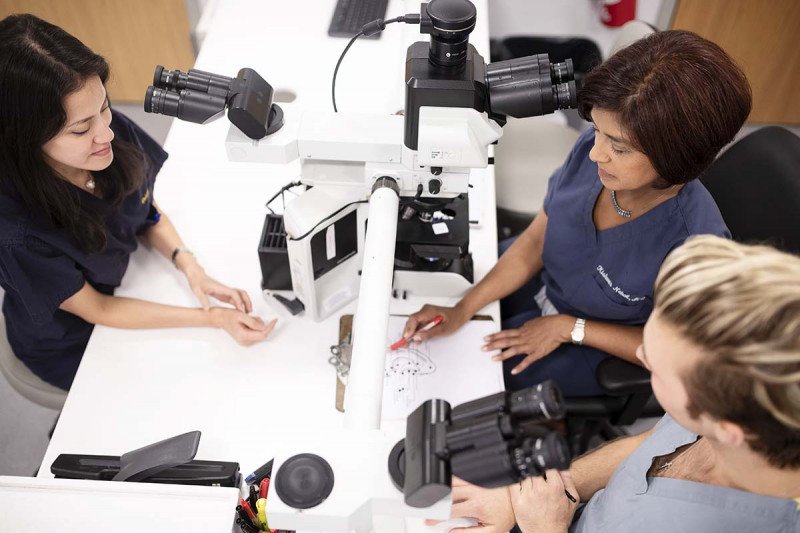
[741,305]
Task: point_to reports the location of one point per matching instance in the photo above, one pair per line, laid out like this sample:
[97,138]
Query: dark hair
[41,64]
[679,97]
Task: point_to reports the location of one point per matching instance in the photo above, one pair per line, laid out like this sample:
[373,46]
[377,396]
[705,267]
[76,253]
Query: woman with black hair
[76,191]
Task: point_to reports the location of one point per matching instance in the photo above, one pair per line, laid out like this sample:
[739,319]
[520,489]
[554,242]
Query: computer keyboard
[350,15]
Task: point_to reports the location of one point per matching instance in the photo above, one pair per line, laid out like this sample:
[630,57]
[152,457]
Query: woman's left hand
[535,339]
[541,505]
[204,286]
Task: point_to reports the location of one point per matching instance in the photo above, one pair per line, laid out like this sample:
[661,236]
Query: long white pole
[364,393]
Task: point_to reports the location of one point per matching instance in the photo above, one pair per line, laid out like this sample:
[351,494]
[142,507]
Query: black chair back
[756,184]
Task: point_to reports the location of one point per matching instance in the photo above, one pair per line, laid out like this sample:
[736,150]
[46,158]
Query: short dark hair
[41,64]
[679,97]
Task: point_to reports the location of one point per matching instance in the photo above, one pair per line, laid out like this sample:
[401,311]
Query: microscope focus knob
[434,186]
[304,481]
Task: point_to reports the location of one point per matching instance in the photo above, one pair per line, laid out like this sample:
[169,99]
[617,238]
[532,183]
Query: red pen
[430,325]
[264,487]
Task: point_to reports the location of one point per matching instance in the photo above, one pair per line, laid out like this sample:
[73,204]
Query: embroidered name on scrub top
[616,288]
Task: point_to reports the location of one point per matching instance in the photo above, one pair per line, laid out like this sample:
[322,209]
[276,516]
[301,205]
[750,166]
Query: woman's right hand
[245,329]
[454,318]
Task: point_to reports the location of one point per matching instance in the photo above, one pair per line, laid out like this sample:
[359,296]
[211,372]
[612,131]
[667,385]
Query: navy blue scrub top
[609,275]
[41,266]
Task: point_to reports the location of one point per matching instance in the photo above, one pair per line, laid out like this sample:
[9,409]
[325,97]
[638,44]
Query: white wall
[567,18]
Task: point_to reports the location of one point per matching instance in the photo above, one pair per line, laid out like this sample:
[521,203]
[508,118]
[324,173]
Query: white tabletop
[140,386]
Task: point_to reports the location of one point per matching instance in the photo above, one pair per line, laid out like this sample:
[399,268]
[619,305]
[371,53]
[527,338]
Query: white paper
[452,368]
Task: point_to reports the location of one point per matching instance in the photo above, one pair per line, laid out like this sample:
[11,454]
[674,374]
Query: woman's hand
[535,339]
[490,507]
[245,329]
[453,319]
[203,286]
[540,504]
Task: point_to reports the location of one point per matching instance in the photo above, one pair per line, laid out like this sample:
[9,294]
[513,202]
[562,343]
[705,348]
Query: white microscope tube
[364,391]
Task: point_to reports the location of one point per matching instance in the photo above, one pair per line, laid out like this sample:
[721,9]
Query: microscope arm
[365,381]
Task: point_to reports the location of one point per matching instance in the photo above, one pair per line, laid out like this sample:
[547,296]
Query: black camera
[491,442]
[201,97]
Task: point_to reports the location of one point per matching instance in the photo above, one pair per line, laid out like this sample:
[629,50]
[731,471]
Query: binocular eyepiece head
[200,97]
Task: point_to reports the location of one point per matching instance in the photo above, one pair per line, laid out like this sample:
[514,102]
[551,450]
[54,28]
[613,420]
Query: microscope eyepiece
[200,97]
[530,86]
[538,403]
[161,101]
[535,455]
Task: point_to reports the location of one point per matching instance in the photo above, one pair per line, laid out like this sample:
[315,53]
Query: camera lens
[451,22]
[540,402]
[161,101]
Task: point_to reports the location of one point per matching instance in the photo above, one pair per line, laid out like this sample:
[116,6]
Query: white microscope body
[341,245]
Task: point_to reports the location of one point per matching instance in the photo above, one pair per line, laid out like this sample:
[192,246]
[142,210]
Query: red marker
[430,325]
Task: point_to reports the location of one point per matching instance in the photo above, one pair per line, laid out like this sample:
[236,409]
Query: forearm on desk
[131,313]
[592,471]
[515,267]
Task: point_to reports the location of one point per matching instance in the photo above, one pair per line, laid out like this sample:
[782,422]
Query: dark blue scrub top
[609,275]
[41,266]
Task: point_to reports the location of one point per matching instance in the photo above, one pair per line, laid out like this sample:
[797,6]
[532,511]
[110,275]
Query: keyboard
[350,15]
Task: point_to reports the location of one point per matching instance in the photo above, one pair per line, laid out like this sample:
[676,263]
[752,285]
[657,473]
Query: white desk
[137,387]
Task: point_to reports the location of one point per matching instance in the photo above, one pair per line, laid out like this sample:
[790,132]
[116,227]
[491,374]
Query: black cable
[306,234]
[370,28]
[280,193]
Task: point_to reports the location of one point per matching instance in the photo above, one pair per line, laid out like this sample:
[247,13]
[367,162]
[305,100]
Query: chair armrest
[621,378]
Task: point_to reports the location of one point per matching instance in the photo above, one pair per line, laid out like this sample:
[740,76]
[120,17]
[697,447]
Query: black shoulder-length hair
[680,97]
[41,64]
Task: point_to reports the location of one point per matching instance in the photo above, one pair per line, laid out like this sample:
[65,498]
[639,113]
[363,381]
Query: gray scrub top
[632,502]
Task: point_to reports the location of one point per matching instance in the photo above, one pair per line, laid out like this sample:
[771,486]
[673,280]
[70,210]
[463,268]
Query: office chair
[24,381]
[756,184]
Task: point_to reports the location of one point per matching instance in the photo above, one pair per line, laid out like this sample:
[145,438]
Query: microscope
[385,208]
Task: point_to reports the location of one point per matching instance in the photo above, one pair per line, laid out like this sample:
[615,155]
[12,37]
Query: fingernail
[485,348]
[417,338]
[514,372]
[495,358]
[486,338]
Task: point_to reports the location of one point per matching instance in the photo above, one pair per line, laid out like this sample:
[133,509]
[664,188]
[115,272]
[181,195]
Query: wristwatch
[578,331]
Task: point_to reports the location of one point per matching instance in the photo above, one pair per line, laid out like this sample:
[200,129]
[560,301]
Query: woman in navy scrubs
[76,193]
[577,284]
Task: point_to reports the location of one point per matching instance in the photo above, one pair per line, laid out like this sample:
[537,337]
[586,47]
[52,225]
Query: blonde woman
[723,346]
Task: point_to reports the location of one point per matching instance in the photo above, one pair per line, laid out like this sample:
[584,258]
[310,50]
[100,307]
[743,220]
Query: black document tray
[105,467]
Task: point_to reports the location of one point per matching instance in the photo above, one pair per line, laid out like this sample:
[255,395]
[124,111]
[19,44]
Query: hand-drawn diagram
[453,368]
[403,367]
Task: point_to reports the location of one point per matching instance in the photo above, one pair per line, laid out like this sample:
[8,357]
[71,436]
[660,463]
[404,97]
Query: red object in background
[617,12]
